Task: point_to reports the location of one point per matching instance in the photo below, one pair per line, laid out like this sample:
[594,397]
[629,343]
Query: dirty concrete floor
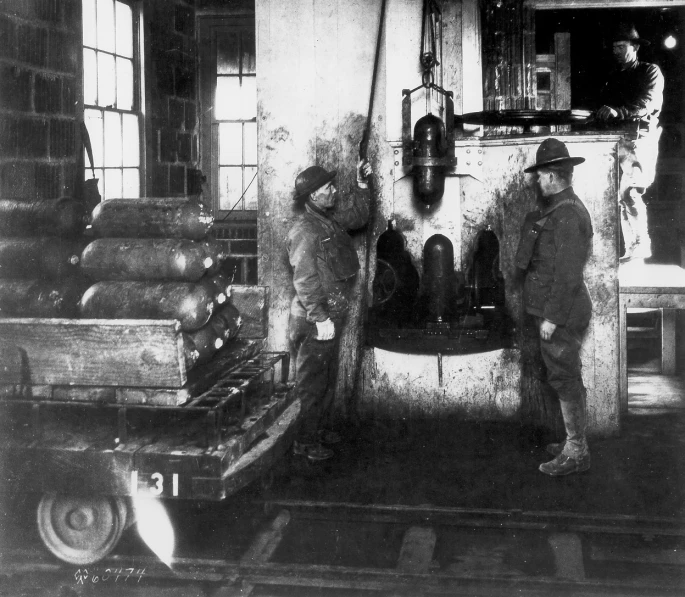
[495,464]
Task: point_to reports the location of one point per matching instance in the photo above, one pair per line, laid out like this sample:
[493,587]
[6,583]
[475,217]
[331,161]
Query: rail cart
[95,412]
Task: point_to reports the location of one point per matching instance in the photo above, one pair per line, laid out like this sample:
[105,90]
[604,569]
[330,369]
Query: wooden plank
[253,304]
[568,555]
[11,370]
[622,355]
[668,341]
[416,553]
[98,352]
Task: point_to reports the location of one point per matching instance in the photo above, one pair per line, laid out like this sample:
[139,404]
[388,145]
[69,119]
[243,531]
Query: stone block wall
[172,98]
[40,97]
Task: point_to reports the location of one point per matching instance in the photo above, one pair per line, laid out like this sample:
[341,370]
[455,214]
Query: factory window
[235,120]
[111,95]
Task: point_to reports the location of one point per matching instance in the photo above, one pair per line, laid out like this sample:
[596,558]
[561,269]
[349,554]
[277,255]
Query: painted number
[158,483]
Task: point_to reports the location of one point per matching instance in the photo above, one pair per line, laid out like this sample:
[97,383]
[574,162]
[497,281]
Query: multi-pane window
[235,119]
[111,86]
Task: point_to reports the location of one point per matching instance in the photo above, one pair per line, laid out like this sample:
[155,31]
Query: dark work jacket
[324,260]
[554,257]
[636,93]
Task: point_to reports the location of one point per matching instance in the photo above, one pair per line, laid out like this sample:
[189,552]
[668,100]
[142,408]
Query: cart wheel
[81,530]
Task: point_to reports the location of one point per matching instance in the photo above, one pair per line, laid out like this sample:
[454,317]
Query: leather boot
[565,465]
[555,449]
[573,412]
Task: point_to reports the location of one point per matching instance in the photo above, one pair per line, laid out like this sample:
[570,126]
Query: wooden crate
[131,361]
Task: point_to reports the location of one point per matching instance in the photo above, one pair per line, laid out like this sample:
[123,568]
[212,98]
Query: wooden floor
[652,392]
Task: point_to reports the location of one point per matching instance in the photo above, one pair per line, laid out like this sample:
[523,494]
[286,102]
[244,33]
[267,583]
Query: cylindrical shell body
[438,275]
[41,298]
[219,285]
[190,303]
[218,252]
[145,259]
[168,217]
[49,217]
[40,257]
[206,341]
[429,177]
[227,321]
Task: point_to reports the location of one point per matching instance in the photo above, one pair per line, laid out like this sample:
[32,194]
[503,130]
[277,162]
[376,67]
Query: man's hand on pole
[363,172]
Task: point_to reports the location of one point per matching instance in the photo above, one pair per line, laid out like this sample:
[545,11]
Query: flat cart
[91,448]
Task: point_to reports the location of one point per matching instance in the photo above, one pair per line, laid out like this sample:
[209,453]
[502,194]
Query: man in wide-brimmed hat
[324,263]
[631,99]
[555,244]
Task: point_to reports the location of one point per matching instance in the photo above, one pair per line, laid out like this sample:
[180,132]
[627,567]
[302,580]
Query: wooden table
[649,286]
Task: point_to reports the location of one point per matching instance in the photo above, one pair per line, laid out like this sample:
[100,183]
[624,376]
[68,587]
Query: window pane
[230,187]
[113,187]
[124,30]
[131,143]
[230,143]
[228,54]
[113,139]
[106,82]
[249,60]
[235,101]
[90,78]
[250,134]
[93,120]
[248,98]
[227,89]
[124,84]
[131,183]
[250,182]
[105,30]
[89,23]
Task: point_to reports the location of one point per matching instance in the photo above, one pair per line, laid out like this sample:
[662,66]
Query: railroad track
[421,550]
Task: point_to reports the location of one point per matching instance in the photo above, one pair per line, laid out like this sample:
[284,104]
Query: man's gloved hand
[325,330]
[547,329]
[605,113]
[363,172]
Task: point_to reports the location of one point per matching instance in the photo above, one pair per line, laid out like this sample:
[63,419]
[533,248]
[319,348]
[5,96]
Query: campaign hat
[553,152]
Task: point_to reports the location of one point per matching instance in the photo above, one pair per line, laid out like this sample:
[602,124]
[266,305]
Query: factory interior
[443,425]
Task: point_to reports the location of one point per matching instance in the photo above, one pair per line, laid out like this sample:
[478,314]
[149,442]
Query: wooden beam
[97,352]
[253,304]
[568,4]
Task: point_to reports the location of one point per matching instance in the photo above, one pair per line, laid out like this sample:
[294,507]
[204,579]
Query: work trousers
[637,159]
[561,355]
[316,368]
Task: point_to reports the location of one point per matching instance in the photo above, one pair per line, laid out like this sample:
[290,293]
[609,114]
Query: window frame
[138,99]
[209,27]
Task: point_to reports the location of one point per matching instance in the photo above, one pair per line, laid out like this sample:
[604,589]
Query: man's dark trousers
[316,365]
[561,355]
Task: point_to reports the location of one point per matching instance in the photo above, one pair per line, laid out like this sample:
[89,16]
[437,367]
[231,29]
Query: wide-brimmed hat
[553,152]
[310,180]
[627,32]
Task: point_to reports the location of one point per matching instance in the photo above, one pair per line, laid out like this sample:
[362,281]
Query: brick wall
[40,97]
[172,127]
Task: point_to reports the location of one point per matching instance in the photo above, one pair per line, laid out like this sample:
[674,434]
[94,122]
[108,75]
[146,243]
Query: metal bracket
[469,162]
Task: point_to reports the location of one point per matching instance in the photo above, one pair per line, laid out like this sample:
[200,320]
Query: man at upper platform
[631,99]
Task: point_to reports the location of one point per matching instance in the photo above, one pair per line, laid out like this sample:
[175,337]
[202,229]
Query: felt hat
[552,152]
[627,32]
[310,180]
